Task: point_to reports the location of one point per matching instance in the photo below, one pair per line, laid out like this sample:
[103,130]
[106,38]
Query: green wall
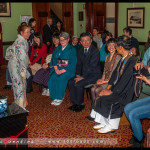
[142,33]
[9,27]
[77,7]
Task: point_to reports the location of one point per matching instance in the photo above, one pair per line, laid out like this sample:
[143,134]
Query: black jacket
[90,64]
[47,34]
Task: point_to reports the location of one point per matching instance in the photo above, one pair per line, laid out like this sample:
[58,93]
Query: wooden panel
[116,20]
[100,23]
[89,17]
[68,17]
[40,12]
[96,16]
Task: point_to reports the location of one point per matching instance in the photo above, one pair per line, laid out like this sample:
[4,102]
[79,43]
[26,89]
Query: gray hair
[75,36]
[65,35]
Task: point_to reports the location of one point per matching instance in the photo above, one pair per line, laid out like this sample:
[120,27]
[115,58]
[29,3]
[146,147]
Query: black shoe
[78,108]
[72,107]
[137,143]
[133,138]
[7,87]
[89,118]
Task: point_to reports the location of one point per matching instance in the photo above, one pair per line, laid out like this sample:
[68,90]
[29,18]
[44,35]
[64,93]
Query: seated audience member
[128,32]
[135,111]
[96,38]
[75,43]
[42,76]
[103,51]
[38,54]
[108,107]
[147,44]
[31,24]
[55,41]
[111,62]
[59,27]
[145,62]
[87,72]
[63,65]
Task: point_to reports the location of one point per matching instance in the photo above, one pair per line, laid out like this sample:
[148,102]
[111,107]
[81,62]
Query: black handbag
[138,83]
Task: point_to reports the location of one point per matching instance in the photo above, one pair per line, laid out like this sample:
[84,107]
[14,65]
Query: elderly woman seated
[75,43]
[108,107]
[63,65]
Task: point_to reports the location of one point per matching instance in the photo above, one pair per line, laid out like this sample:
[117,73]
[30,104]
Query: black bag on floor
[29,87]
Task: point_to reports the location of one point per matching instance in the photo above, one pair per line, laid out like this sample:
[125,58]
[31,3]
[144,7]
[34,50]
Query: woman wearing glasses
[63,65]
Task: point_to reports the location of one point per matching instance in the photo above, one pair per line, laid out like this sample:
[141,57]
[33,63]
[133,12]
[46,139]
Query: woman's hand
[45,65]
[99,81]
[142,78]
[62,71]
[105,92]
[139,65]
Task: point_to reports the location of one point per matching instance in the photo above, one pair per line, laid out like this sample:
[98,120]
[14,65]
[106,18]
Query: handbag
[138,83]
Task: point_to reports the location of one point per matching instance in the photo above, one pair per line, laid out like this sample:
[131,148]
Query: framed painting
[135,17]
[5,10]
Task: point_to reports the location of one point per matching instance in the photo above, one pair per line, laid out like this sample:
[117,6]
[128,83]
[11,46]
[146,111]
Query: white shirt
[64,47]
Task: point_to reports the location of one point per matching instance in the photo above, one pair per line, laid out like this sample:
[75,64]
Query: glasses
[63,40]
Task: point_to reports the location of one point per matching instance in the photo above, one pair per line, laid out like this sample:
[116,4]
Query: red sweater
[42,53]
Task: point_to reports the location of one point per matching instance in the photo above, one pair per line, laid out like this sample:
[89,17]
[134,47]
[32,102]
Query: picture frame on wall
[5,10]
[135,17]
[25,18]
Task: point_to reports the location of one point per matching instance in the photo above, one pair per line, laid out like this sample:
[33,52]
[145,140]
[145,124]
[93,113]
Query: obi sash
[62,62]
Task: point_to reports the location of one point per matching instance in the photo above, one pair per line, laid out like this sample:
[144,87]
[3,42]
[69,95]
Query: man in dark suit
[128,32]
[87,72]
[47,33]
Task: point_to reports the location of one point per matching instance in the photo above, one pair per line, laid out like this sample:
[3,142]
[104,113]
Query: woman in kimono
[63,65]
[109,105]
[17,54]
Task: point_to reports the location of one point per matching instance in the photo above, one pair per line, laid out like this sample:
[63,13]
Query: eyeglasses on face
[63,40]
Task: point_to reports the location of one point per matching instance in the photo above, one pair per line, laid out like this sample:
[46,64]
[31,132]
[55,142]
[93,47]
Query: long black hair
[38,35]
[31,21]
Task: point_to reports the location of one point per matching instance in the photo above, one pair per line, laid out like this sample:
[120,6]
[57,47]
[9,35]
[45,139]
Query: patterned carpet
[55,126]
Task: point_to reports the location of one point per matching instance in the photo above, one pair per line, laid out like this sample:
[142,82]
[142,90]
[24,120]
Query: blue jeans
[8,78]
[135,111]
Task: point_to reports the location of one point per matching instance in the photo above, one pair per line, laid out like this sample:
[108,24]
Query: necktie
[85,51]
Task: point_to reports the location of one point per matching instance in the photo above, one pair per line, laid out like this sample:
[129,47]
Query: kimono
[57,83]
[18,61]
[111,107]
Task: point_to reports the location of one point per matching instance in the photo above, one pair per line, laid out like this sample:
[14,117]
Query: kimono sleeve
[22,57]
[72,61]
